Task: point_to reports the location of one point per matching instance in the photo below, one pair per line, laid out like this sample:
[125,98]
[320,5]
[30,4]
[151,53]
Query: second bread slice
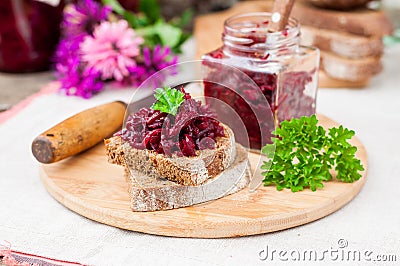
[342,43]
[151,192]
[354,70]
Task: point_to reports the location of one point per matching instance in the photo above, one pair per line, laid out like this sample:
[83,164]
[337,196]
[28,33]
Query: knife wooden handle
[280,15]
[79,132]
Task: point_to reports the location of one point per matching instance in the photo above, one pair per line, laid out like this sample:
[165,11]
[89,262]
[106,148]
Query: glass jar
[285,72]
[29,32]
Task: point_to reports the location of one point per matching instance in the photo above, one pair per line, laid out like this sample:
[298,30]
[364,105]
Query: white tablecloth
[32,221]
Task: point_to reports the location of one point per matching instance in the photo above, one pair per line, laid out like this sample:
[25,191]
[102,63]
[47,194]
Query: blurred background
[30,31]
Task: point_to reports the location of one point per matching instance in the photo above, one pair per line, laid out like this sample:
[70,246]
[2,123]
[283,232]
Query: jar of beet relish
[285,72]
[29,33]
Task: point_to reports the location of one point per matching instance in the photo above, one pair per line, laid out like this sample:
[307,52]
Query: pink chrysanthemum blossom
[111,49]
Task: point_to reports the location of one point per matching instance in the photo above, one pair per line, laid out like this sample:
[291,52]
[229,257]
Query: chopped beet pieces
[193,128]
[291,101]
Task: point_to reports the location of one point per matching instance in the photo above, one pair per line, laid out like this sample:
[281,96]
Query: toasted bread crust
[362,21]
[325,81]
[189,171]
[350,70]
[193,171]
[161,194]
[339,4]
[150,192]
[341,43]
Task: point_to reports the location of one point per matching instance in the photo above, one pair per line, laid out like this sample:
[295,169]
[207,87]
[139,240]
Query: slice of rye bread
[150,192]
[325,81]
[339,4]
[354,70]
[342,43]
[361,21]
[193,171]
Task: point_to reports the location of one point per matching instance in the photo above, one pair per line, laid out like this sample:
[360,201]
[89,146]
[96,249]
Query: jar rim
[249,33]
[293,24]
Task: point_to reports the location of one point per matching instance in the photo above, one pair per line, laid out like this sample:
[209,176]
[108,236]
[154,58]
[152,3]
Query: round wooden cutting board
[87,184]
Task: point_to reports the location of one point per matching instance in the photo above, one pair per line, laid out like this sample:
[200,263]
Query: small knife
[79,132]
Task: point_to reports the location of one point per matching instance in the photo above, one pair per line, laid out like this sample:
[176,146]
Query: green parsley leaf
[168,100]
[303,155]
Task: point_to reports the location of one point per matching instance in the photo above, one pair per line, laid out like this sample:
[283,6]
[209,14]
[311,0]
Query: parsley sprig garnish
[168,100]
[303,155]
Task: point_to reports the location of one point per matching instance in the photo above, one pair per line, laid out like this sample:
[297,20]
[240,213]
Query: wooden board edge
[260,226]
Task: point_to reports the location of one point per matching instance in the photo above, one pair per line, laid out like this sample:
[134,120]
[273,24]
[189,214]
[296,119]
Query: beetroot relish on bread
[193,128]
[206,163]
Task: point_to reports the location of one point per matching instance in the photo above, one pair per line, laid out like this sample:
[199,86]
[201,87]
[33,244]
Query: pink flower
[111,49]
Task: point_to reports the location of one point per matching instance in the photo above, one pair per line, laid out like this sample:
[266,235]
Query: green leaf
[120,10]
[392,39]
[168,100]
[184,19]
[163,33]
[131,18]
[268,150]
[115,5]
[303,155]
[184,37]
[146,31]
[151,9]
[168,34]
[151,26]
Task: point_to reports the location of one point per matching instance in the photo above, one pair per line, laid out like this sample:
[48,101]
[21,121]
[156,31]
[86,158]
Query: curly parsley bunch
[303,155]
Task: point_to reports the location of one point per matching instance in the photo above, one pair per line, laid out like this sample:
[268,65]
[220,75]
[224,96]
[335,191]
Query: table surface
[16,87]
[33,222]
